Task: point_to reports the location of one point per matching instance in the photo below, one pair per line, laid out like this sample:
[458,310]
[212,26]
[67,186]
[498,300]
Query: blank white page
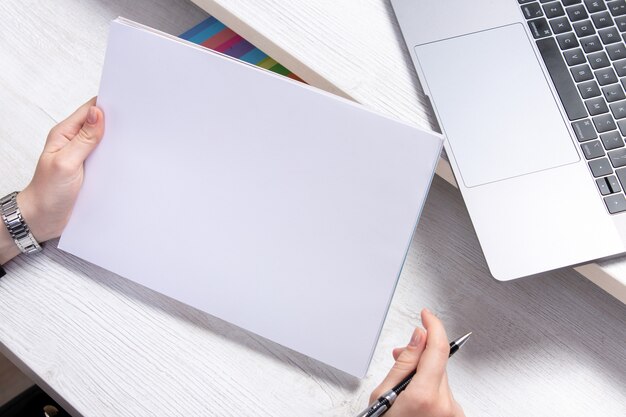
[262,201]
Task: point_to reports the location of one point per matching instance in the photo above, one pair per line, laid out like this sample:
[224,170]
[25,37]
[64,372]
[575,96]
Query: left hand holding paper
[46,203]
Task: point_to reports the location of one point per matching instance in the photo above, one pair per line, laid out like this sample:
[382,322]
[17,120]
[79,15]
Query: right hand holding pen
[428,394]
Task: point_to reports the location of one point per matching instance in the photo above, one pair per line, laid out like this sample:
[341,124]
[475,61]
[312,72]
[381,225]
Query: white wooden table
[354,48]
[103,346]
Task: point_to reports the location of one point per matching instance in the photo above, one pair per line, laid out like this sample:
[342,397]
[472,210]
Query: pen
[385,401]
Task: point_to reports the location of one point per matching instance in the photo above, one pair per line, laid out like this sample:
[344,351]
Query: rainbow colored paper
[213,34]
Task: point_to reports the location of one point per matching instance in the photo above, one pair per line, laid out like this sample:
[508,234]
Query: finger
[405,363]
[396,353]
[432,365]
[67,129]
[77,118]
[86,140]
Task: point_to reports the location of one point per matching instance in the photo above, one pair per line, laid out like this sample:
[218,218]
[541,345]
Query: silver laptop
[530,98]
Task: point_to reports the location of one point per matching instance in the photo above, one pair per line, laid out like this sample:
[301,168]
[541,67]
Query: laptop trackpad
[495,105]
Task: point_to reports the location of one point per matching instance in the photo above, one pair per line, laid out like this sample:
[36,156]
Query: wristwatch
[17,227]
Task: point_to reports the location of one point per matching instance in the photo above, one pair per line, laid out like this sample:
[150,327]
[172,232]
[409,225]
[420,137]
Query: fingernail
[92,116]
[415,339]
[427,311]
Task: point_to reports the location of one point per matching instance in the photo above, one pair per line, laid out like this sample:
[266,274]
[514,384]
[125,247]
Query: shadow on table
[273,351]
[559,312]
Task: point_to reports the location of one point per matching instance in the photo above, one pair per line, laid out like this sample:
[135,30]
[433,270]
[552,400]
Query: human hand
[428,394]
[47,202]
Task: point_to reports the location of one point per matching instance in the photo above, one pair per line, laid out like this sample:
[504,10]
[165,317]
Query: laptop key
[584,130]
[574,57]
[613,92]
[621,124]
[604,123]
[562,81]
[539,28]
[606,76]
[620,67]
[584,28]
[602,20]
[553,9]
[600,167]
[560,25]
[615,203]
[611,140]
[619,109]
[591,44]
[617,8]
[576,13]
[603,186]
[570,2]
[618,157]
[532,10]
[589,89]
[620,22]
[592,149]
[613,184]
[609,35]
[621,175]
[595,5]
[596,106]
[582,73]
[616,51]
[567,40]
[598,60]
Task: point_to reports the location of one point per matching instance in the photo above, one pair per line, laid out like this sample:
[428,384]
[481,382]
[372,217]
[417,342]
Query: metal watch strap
[17,227]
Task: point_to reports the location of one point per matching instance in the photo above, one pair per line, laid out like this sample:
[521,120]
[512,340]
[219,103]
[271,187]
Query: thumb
[396,352]
[86,139]
[406,362]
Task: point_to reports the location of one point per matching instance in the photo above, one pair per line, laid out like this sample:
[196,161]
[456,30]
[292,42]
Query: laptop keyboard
[582,43]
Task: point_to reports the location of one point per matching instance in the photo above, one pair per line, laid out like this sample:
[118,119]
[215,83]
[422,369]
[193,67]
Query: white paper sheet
[265,202]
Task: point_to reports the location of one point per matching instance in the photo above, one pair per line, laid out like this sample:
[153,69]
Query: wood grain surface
[355,48]
[551,345]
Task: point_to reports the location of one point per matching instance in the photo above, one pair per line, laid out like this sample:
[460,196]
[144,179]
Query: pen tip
[461,340]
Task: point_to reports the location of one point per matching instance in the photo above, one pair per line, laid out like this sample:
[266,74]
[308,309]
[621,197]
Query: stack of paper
[258,199]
